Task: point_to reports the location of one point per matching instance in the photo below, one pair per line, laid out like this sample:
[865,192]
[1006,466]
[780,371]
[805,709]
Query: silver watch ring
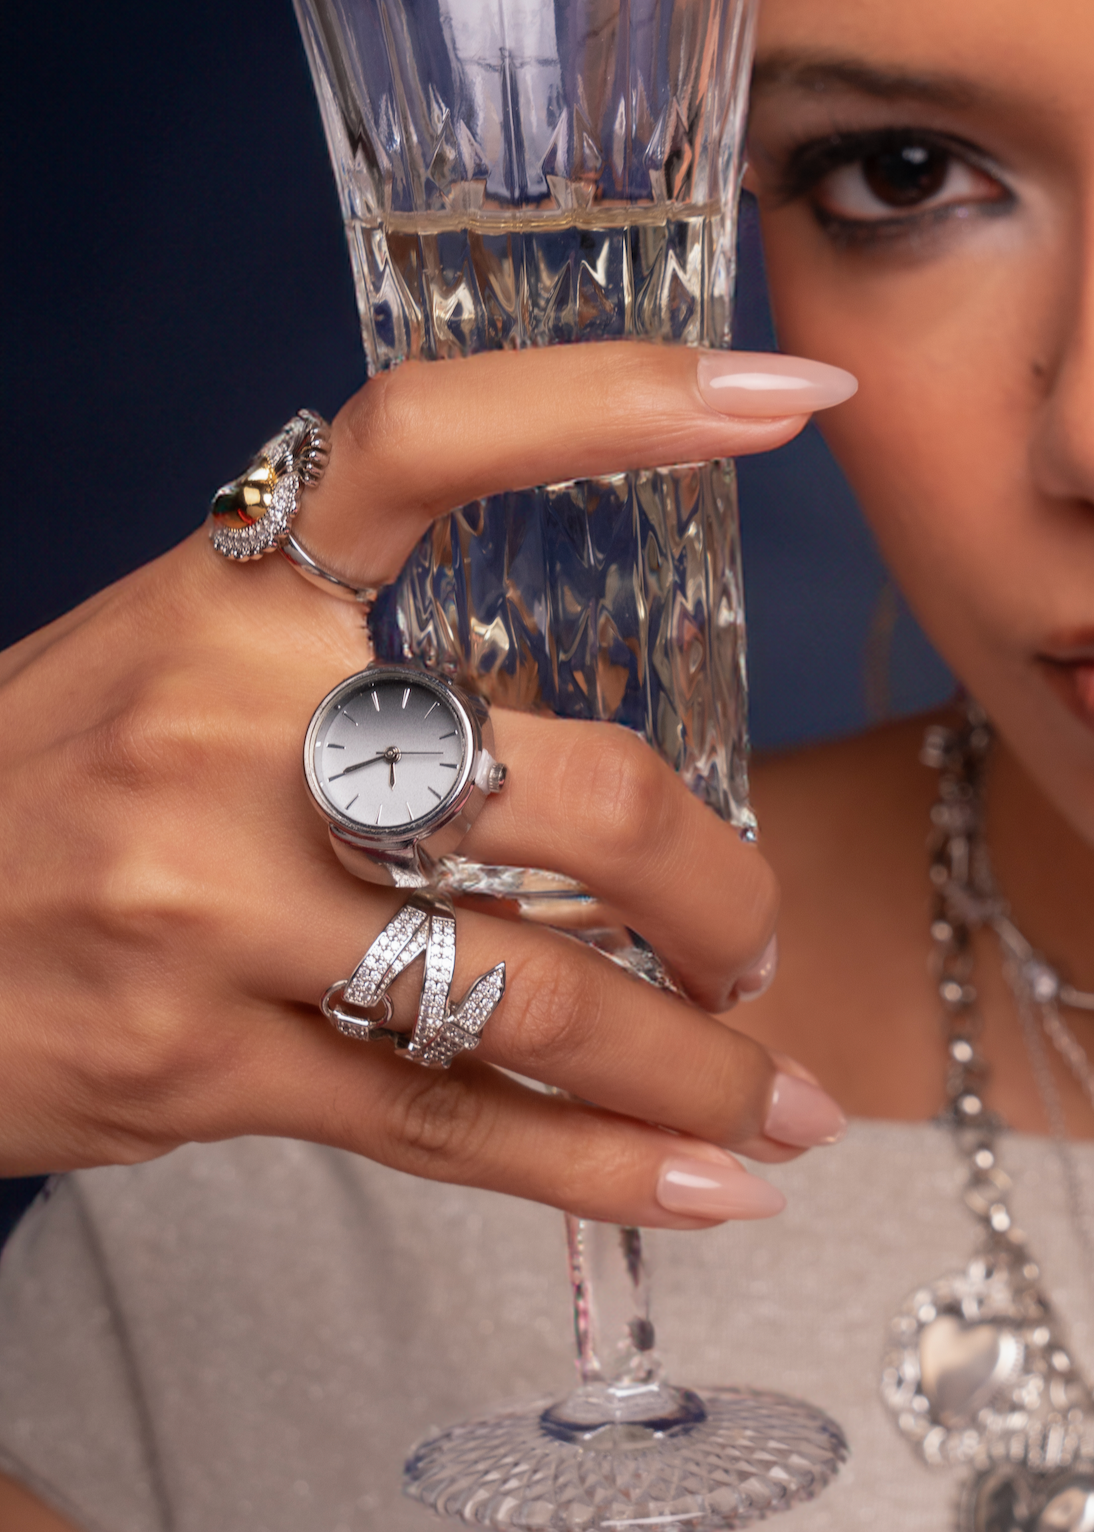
[450,729]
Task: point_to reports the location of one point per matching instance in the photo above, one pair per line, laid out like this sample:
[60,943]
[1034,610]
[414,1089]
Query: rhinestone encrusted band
[253,515]
[441,1031]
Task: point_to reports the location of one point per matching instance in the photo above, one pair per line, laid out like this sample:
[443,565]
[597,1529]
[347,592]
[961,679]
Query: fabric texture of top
[248,1337]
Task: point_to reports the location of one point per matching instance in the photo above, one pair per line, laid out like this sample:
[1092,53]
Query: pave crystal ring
[441,1031]
[253,515]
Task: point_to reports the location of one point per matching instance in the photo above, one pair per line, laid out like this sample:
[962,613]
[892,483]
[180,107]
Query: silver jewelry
[399,764]
[253,515]
[324,579]
[976,1370]
[441,1031]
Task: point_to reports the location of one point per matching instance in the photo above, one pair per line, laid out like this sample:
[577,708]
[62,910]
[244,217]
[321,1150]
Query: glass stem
[583,1300]
[609,1282]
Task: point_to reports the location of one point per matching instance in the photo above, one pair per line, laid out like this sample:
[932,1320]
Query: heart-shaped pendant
[962,1367]
[1010,1498]
[977,1372]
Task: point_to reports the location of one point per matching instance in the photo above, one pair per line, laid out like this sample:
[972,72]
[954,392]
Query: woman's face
[926,178]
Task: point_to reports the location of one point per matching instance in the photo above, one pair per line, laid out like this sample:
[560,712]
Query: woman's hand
[171,910]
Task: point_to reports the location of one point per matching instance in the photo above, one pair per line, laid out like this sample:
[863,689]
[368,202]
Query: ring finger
[568,1019]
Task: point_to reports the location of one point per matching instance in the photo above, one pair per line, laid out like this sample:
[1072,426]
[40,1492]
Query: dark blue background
[176,285]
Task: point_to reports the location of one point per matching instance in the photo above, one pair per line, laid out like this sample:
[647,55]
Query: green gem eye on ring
[253,515]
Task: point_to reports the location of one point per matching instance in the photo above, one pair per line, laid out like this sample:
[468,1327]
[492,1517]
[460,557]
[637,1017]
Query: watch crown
[495,777]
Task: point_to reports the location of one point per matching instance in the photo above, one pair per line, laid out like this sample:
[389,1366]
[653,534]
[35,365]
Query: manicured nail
[802,1114]
[707,1189]
[752,983]
[763,384]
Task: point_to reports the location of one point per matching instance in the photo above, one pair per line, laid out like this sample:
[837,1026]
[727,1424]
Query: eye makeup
[879,185]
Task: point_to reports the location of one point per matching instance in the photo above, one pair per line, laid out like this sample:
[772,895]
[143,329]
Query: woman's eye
[907,176]
[894,180]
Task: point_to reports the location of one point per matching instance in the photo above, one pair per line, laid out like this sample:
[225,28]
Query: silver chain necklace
[976,1370]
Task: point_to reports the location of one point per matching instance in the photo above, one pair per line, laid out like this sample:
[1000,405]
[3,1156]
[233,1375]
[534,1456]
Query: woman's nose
[1063,441]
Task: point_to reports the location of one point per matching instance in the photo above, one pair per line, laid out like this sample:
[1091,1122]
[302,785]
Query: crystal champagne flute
[513,173]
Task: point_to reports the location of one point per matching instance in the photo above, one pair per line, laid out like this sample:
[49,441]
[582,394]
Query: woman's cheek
[936,442]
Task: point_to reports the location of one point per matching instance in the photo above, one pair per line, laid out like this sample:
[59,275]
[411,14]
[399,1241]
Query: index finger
[425,438]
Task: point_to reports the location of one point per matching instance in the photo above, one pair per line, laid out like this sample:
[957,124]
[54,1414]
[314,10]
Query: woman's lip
[1073,681]
[1072,648]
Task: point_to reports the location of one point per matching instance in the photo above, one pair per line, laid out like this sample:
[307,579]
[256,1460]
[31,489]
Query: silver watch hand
[379,756]
[391,755]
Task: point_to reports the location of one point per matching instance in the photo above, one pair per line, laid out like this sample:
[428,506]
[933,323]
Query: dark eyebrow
[817,72]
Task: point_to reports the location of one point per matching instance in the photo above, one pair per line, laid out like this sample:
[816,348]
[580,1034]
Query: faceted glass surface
[516,174]
[616,599]
[461,131]
[753,1455]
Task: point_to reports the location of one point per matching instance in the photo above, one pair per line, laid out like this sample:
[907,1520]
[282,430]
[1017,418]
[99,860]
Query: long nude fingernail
[763,384]
[708,1189]
[803,1115]
[752,984]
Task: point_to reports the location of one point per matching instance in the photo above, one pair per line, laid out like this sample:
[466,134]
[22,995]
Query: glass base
[643,1455]
[626,1415]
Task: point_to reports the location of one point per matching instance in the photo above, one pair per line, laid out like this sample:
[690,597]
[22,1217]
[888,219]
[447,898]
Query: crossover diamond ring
[441,1030]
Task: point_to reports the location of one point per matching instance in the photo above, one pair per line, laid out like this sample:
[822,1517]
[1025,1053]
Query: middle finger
[595,802]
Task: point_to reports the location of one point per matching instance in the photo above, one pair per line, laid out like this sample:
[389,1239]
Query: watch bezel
[385,837]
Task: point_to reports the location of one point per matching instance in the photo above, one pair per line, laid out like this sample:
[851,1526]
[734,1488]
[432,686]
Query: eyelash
[814,162]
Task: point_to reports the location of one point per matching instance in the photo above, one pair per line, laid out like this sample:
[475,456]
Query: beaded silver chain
[966,897]
[977,1371]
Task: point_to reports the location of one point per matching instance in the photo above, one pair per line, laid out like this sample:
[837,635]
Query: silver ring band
[253,515]
[332,584]
[441,1030]
[361,1028]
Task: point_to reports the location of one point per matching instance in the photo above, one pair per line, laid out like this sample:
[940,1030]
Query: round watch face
[388,751]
